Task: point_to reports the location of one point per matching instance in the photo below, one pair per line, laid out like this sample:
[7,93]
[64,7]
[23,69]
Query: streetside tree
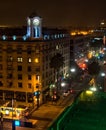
[56,62]
[93,70]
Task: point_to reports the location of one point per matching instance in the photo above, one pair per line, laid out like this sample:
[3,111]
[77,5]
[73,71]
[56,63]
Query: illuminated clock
[36,22]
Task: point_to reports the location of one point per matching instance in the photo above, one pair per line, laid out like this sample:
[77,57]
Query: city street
[44,116]
[48,112]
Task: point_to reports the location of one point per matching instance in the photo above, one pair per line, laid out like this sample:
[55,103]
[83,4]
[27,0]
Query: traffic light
[37,93]
[15,123]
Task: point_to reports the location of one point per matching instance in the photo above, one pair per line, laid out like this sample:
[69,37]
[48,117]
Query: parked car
[66,93]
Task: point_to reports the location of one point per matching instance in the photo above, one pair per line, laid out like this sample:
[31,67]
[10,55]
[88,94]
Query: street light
[72,70]
[103,77]
[103,74]
[63,84]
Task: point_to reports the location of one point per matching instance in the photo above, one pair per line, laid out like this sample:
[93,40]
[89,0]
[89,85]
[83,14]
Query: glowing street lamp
[103,74]
[63,84]
[72,70]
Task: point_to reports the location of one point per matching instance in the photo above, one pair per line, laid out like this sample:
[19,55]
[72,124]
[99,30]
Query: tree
[56,62]
[94,69]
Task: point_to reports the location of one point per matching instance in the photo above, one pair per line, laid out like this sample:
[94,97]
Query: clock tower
[34,26]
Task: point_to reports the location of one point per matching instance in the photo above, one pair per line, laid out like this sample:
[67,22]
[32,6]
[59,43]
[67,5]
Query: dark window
[37,69]
[29,50]
[9,84]
[29,68]
[20,76]
[9,76]
[9,50]
[29,85]
[1,84]
[1,66]
[30,97]
[9,67]
[19,67]
[20,85]
[19,50]
[1,76]
[0,58]
[29,77]
[0,49]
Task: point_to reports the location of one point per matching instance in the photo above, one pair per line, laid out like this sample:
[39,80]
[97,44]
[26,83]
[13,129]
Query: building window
[9,84]
[20,76]
[37,69]
[1,84]
[29,77]
[9,58]
[37,77]
[19,67]
[0,58]
[29,60]
[9,50]
[9,76]
[29,85]
[19,50]
[19,85]
[0,49]
[29,50]
[19,59]
[1,76]
[1,67]
[9,67]
[36,60]
[29,68]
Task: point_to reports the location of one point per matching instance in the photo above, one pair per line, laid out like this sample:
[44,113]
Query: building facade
[25,54]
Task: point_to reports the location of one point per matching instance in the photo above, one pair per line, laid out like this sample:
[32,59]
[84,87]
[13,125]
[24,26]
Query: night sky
[53,12]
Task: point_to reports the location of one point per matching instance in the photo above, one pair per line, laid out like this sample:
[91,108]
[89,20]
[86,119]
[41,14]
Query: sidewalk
[47,113]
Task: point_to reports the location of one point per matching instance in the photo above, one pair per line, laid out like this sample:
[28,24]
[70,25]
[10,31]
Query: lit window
[14,37]
[4,37]
[24,38]
[29,60]
[55,36]
[36,60]
[37,77]
[57,47]
[19,59]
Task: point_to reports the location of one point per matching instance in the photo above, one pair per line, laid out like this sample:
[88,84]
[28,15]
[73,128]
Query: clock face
[36,22]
